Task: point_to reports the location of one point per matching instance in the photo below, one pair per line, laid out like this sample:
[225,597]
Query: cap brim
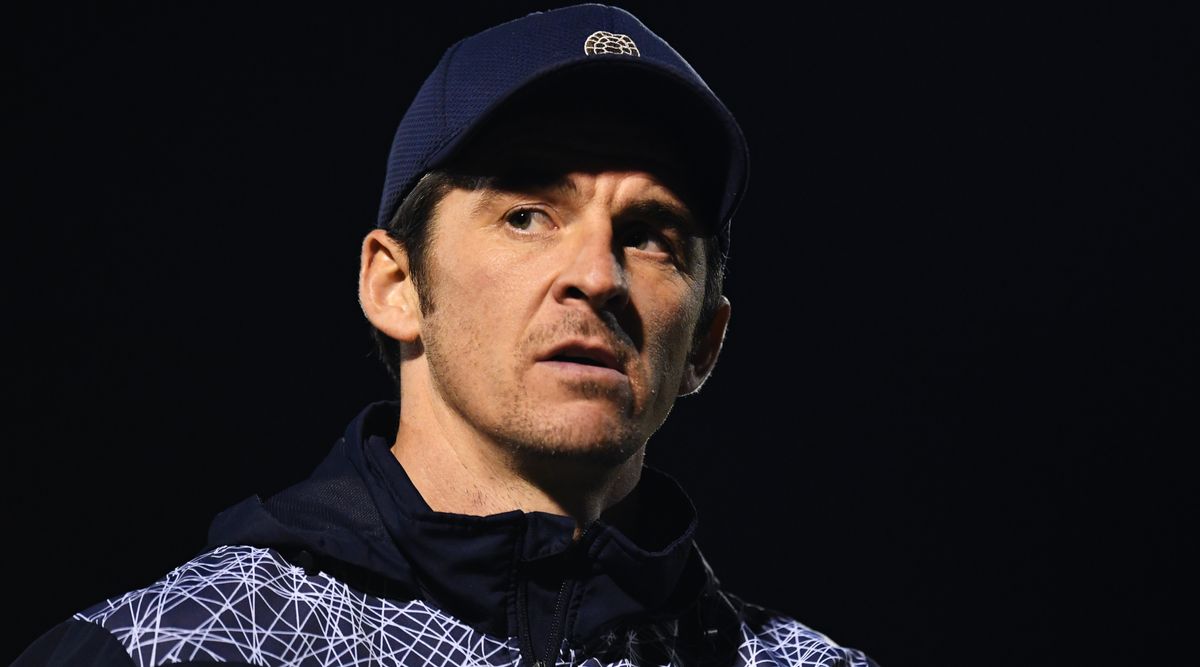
[710,134]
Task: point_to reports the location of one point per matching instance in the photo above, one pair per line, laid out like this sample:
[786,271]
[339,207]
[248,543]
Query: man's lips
[588,353]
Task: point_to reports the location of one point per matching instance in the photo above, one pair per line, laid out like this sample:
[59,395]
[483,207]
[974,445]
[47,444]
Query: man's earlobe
[385,288]
[703,357]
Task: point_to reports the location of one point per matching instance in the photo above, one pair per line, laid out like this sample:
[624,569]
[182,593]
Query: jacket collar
[498,573]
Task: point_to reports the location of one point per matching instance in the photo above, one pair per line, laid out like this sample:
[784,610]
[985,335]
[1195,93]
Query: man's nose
[594,271]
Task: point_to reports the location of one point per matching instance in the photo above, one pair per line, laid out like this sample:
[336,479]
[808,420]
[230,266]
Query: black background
[952,423]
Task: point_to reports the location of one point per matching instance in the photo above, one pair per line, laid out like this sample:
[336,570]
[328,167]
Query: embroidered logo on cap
[610,42]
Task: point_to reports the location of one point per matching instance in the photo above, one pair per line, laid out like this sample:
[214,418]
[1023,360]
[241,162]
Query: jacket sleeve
[76,643]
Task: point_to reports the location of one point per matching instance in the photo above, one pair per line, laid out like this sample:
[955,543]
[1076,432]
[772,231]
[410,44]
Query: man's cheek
[673,322]
[499,290]
[470,287]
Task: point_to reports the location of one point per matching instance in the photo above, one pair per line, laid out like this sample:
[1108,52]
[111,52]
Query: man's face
[563,303]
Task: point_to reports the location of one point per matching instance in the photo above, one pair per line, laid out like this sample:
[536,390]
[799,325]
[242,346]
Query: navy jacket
[352,567]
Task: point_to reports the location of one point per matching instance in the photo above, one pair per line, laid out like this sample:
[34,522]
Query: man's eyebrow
[521,183]
[663,213]
[658,211]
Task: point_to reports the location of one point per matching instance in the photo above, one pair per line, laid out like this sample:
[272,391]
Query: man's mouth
[586,361]
[585,353]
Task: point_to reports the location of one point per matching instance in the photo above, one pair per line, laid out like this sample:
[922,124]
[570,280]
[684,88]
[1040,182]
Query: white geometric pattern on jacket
[249,604]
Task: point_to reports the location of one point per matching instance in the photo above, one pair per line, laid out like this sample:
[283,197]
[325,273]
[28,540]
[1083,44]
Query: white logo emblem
[609,42]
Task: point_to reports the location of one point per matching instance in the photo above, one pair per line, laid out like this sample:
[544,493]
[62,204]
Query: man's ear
[703,356]
[385,288]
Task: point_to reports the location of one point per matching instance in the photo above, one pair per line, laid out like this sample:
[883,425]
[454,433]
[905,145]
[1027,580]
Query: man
[544,282]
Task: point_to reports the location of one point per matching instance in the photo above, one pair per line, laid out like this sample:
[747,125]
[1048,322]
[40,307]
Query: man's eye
[646,239]
[525,218]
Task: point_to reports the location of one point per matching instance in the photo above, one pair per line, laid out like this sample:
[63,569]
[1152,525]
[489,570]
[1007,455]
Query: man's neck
[456,469]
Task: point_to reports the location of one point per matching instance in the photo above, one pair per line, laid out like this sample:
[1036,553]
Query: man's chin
[596,457]
[587,437]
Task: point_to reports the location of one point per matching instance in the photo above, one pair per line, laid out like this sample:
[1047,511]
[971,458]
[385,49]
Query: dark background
[953,420]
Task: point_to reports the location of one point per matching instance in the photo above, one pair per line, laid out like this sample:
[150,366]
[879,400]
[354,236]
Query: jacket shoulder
[250,605]
[172,620]
[769,637]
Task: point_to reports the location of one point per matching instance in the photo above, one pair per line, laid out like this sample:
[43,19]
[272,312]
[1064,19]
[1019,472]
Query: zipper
[555,639]
[558,620]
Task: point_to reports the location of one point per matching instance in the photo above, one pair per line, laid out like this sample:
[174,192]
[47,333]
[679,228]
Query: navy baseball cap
[479,75]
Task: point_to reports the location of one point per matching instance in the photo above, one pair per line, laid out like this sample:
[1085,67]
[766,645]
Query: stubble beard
[528,434]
